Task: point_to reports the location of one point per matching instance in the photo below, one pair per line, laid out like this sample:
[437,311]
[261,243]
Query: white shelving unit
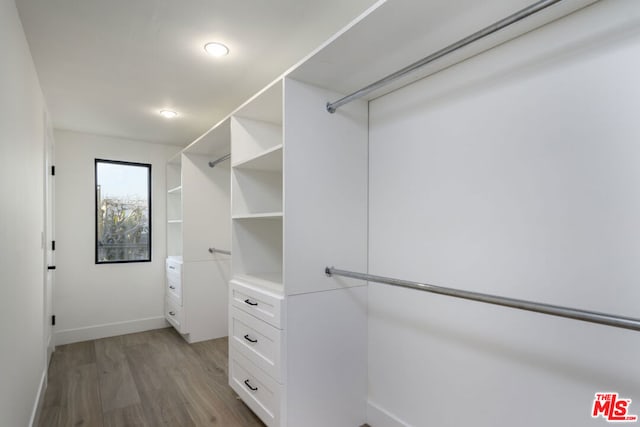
[285,186]
[256,188]
[174,207]
[198,212]
[299,200]
[257,288]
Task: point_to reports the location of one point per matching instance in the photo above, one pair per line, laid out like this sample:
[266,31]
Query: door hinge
[53,245]
[53,320]
[53,170]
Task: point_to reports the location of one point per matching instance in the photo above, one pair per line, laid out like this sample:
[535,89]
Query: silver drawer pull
[246,382]
[248,338]
[248,301]
[171,267]
[172,313]
[172,287]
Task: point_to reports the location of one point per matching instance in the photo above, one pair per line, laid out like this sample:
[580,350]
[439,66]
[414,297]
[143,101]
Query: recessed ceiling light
[168,114]
[216,49]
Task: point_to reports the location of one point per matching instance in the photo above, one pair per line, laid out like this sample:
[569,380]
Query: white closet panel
[206,202]
[326,188]
[514,173]
[198,203]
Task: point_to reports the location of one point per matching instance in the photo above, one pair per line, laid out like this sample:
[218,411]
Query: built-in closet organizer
[297,341]
[311,189]
[199,237]
[508,173]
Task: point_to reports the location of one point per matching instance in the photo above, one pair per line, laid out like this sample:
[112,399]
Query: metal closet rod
[221,159]
[496,26]
[553,310]
[219,251]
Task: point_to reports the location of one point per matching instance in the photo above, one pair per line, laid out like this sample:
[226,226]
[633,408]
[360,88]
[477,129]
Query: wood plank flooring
[147,379]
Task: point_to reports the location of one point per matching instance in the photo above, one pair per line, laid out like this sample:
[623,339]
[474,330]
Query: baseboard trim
[50,349]
[379,417]
[69,336]
[37,406]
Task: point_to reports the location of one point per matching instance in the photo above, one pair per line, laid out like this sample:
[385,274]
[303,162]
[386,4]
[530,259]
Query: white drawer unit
[173,314]
[258,341]
[174,286]
[174,265]
[174,279]
[258,302]
[259,391]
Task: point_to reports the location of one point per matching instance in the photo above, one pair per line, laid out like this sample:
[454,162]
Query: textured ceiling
[108,67]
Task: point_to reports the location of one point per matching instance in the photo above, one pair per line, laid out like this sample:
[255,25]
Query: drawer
[174,276]
[174,265]
[174,287]
[259,391]
[257,302]
[258,341]
[173,313]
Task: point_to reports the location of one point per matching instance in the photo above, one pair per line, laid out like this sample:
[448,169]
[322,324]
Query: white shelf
[269,160]
[175,190]
[258,215]
[270,281]
[174,221]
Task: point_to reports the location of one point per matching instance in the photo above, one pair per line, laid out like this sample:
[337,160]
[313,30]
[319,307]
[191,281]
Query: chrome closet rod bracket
[553,310]
[219,251]
[213,163]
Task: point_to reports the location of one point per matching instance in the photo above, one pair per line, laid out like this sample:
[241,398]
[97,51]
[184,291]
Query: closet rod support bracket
[331,109]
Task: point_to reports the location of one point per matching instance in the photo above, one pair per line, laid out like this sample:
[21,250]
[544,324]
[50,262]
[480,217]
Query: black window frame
[95,207]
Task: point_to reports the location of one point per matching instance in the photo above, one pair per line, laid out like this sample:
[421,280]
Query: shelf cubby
[256,192]
[257,248]
[253,139]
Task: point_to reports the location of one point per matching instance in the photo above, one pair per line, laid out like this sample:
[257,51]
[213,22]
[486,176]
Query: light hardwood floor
[146,379]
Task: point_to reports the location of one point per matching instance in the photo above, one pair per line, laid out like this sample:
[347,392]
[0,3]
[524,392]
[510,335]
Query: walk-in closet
[427,217]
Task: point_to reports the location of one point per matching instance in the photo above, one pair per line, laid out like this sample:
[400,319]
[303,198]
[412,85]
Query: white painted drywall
[22,354]
[515,173]
[93,301]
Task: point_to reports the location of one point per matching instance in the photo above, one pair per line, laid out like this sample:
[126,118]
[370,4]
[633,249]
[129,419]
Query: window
[123,212]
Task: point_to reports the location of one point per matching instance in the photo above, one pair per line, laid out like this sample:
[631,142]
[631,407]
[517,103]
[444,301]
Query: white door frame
[49,237]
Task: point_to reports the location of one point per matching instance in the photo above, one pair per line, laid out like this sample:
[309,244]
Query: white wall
[22,354]
[515,173]
[90,300]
